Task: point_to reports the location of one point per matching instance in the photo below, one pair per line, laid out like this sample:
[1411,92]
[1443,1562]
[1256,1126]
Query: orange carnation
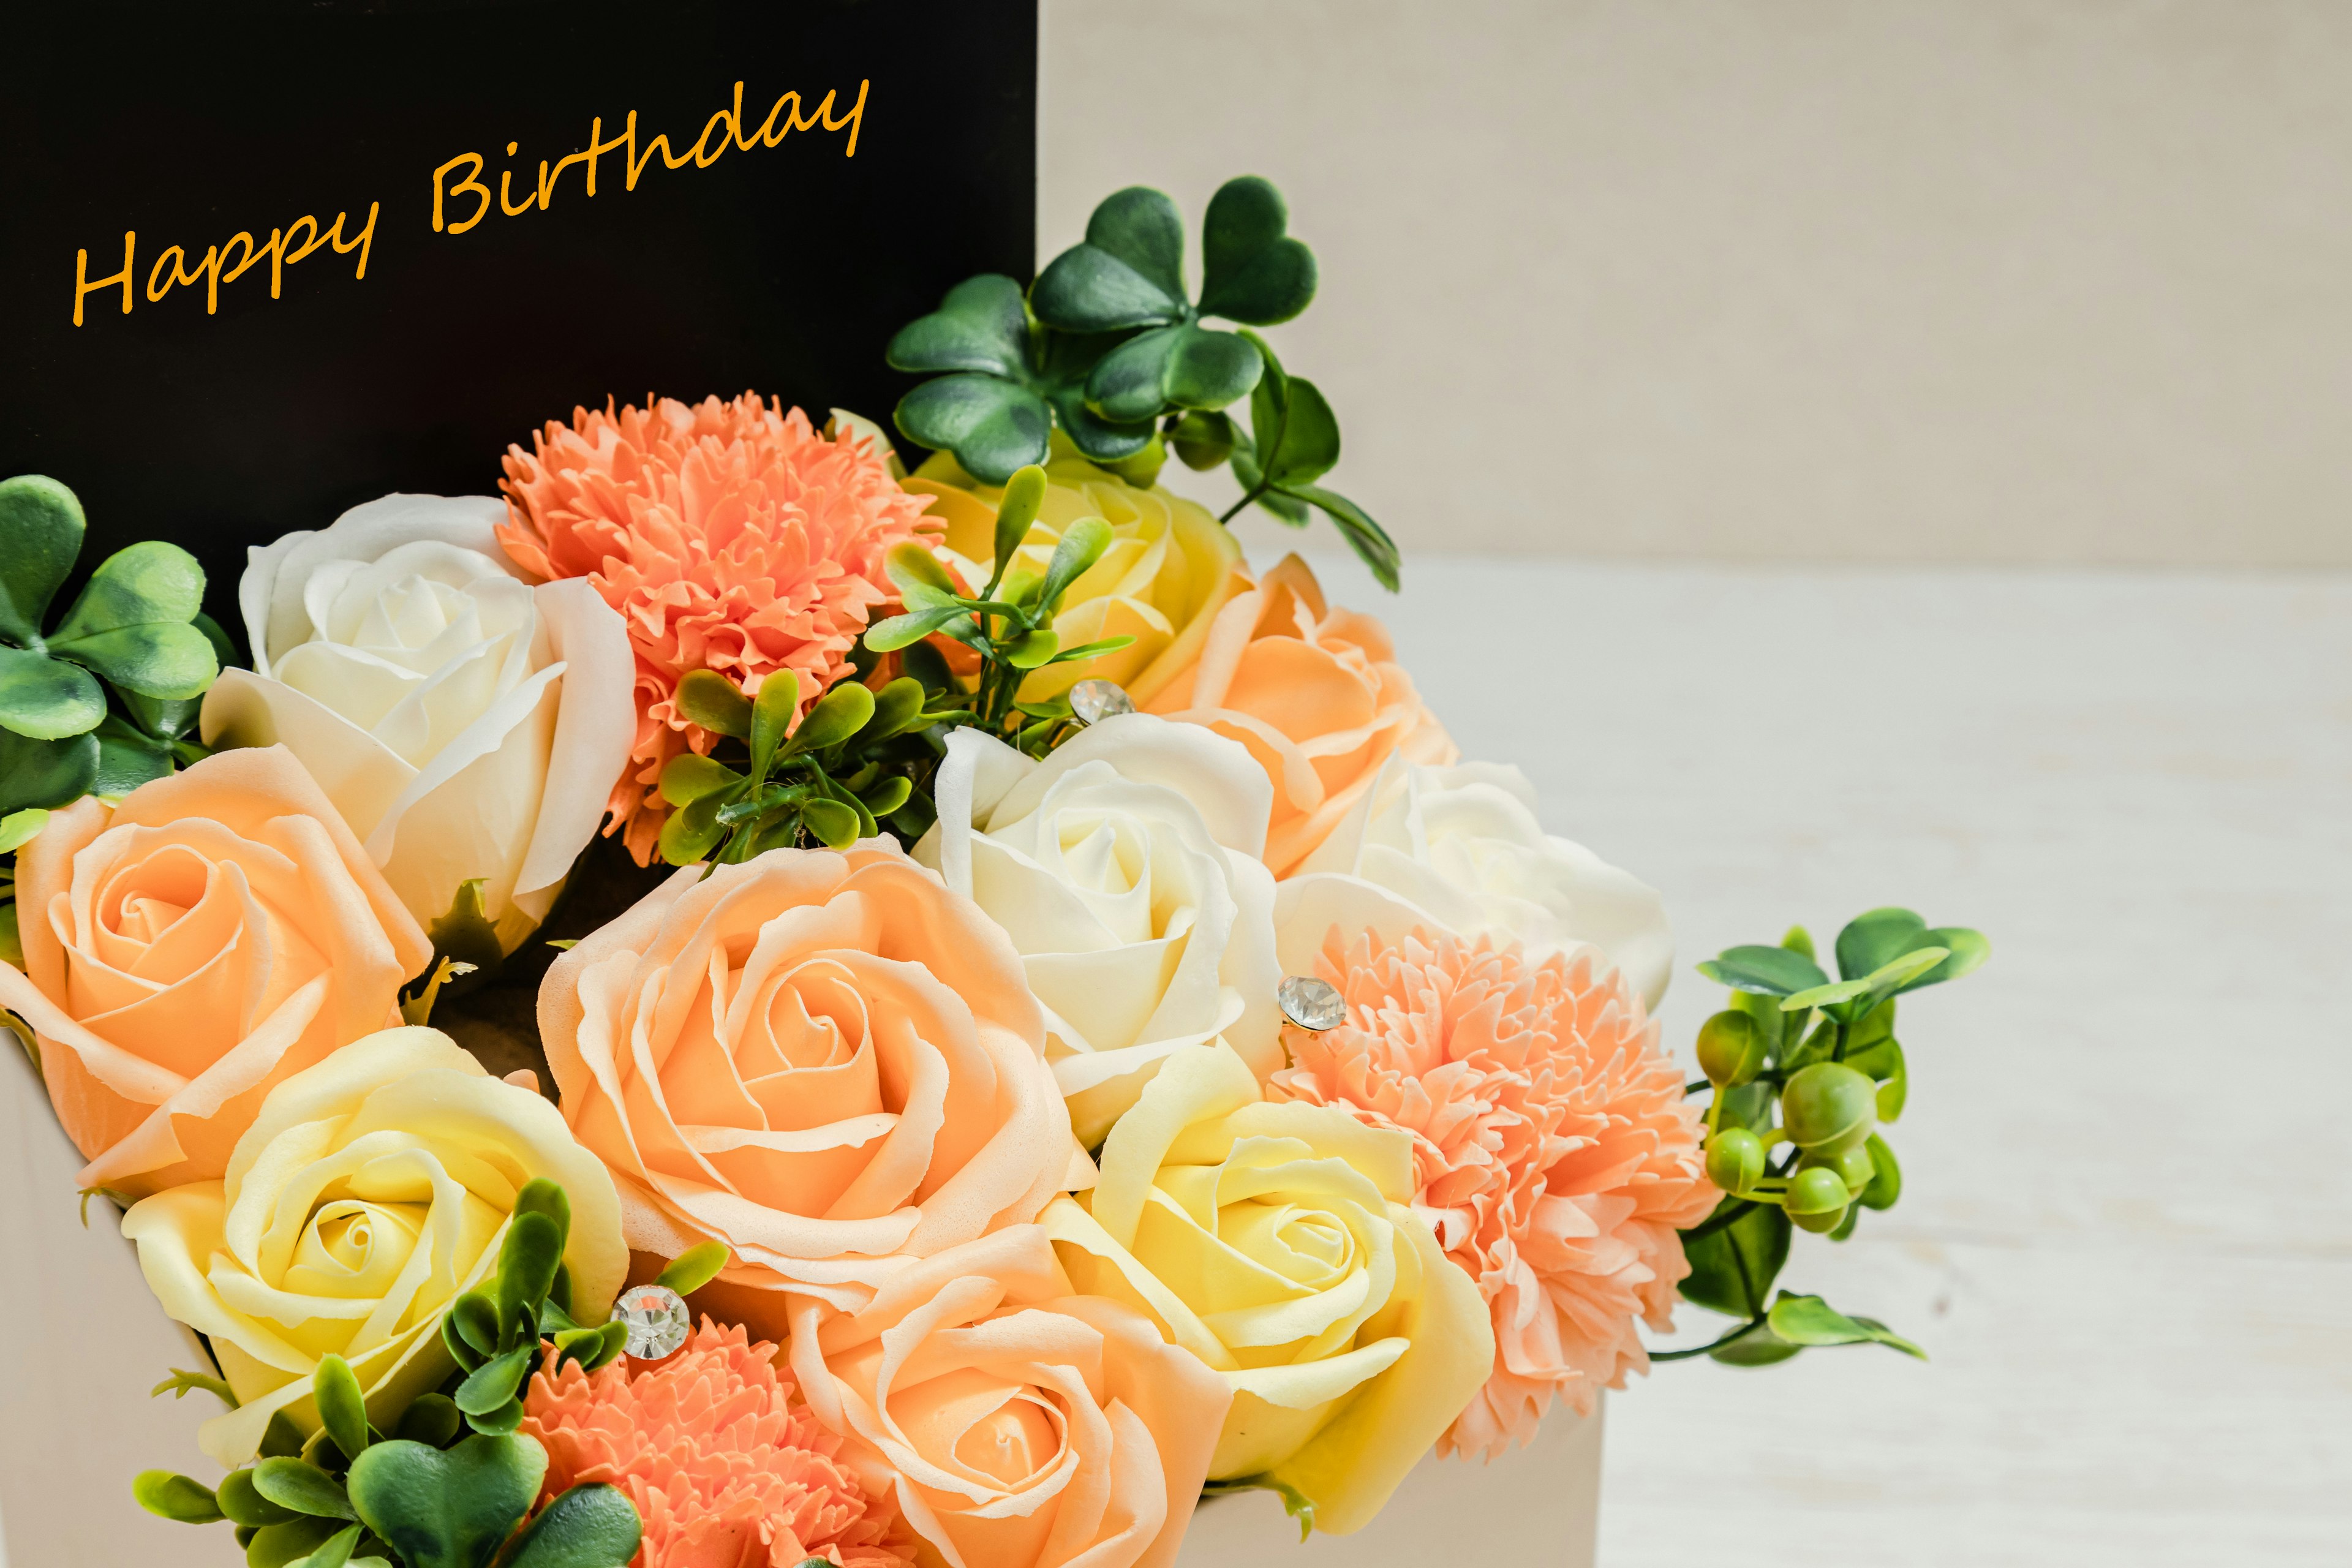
[730,536]
[1317,696]
[725,1470]
[1554,1152]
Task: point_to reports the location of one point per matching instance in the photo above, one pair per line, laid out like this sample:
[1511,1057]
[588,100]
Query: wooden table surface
[2125,1236]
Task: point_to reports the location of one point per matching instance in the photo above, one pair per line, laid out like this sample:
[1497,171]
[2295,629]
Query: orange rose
[1018,1425]
[1315,694]
[219,931]
[827,1061]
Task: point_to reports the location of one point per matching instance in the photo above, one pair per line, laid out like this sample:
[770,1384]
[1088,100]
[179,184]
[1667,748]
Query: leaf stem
[1249,496]
[1741,1333]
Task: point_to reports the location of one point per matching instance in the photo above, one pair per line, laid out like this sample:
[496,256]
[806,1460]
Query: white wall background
[2000,280]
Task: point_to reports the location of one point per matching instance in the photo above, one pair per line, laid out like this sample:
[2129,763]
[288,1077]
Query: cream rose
[369,1192]
[1463,844]
[467,724]
[827,1061]
[215,932]
[1017,1424]
[1274,1242]
[1124,868]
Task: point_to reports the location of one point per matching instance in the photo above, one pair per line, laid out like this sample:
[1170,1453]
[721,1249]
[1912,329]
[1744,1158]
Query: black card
[800,179]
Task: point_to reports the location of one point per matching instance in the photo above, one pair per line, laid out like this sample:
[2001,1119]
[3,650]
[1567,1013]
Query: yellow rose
[1275,1243]
[1171,567]
[369,1192]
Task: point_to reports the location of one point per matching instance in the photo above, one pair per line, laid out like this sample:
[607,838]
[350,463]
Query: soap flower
[371,1192]
[1274,1240]
[1124,868]
[468,726]
[1464,843]
[1017,1424]
[725,1468]
[1317,696]
[208,936]
[731,536]
[1171,566]
[1554,1152]
[826,1060]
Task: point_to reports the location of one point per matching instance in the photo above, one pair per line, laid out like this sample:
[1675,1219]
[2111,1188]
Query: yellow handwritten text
[454,213]
[222,263]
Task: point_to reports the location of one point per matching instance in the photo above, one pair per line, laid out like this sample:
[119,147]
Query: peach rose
[827,1061]
[1317,696]
[1018,1425]
[219,931]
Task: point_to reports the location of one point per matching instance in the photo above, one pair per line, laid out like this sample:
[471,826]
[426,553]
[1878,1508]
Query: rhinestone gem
[1095,701]
[657,1319]
[1311,1003]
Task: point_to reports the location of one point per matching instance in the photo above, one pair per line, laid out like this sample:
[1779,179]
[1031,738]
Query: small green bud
[1734,1159]
[1852,1164]
[1828,1106]
[1730,1049]
[1817,1199]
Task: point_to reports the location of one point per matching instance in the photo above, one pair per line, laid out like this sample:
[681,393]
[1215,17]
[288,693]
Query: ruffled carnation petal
[730,536]
[1554,1152]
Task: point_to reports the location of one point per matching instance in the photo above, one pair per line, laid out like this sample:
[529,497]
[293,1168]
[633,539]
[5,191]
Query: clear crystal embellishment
[1311,1003]
[657,1319]
[1095,701]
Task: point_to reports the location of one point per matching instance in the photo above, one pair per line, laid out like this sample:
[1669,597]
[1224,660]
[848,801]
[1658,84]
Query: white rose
[1125,867]
[466,723]
[1463,843]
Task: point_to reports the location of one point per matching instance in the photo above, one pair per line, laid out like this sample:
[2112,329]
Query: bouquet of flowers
[736,1004]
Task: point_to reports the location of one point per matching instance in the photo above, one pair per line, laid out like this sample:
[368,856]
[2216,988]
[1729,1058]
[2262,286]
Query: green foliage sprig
[857,758]
[1010,623]
[1109,344]
[1810,1067]
[453,1484]
[137,630]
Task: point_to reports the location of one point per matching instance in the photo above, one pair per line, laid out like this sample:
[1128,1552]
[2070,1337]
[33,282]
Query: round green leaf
[144,584]
[1128,273]
[904,631]
[1759,1347]
[165,659]
[992,427]
[446,1509]
[1100,440]
[493,1384]
[127,759]
[716,703]
[301,1488]
[431,1419]
[45,773]
[527,1263]
[341,1410]
[1765,971]
[1130,382]
[175,1497]
[834,825]
[1203,440]
[896,705]
[45,699]
[284,1545]
[839,714]
[982,325]
[243,1503]
[19,828]
[1252,271]
[689,776]
[695,1266]
[590,1526]
[41,528]
[1031,650]
[1309,442]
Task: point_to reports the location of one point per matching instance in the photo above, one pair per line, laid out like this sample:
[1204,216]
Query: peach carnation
[725,1470]
[730,536]
[1554,1153]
